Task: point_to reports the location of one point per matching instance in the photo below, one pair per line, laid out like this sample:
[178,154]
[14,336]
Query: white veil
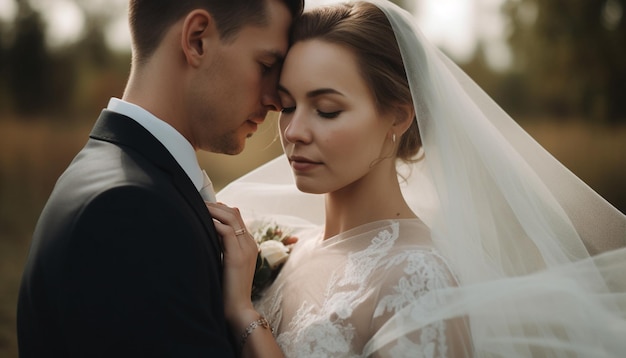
[540,256]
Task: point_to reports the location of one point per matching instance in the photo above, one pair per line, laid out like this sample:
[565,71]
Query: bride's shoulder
[419,262]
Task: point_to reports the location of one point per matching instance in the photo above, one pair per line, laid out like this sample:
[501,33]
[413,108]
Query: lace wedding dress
[333,295]
[362,277]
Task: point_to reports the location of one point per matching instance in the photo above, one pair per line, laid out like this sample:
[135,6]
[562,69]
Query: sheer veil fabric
[540,257]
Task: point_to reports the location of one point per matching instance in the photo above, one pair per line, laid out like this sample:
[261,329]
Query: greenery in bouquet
[274,248]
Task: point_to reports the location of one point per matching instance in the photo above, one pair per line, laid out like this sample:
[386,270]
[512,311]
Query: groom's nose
[270,100]
[269,93]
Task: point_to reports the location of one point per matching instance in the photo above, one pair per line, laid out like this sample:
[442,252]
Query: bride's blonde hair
[363,29]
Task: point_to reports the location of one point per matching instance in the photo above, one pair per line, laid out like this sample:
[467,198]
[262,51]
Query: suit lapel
[119,129]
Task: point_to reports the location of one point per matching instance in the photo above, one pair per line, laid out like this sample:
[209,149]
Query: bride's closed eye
[328,115]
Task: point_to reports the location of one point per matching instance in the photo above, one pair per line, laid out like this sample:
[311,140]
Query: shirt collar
[174,142]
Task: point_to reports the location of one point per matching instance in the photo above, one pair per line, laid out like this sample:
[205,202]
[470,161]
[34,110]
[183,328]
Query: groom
[125,260]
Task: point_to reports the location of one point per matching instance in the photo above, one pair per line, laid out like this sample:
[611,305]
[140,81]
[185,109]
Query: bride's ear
[404,117]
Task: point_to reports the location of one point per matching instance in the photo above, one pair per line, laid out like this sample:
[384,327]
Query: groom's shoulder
[103,172]
[104,164]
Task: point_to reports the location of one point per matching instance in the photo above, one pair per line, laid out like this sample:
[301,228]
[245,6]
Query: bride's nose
[295,128]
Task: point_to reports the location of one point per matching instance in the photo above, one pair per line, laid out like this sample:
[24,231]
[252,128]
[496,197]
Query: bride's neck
[363,202]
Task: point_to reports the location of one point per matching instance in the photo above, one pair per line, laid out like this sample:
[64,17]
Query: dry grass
[32,155]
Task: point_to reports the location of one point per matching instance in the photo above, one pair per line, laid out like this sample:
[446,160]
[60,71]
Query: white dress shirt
[174,142]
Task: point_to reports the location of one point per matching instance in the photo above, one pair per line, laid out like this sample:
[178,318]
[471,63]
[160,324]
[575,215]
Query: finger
[226,215]
[231,217]
[228,237]
[243,242]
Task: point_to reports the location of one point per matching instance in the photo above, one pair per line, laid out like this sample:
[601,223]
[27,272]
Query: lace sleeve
[410,286]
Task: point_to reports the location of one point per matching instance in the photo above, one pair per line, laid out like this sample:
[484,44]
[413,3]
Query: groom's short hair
[149,20]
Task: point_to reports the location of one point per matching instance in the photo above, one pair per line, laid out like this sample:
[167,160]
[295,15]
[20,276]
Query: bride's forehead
[316,59]
[318,49]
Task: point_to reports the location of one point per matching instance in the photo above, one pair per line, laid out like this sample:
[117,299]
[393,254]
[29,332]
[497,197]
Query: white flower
[274,248]
[274,252]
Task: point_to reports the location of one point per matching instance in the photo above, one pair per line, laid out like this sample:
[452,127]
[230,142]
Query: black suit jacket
[125,259]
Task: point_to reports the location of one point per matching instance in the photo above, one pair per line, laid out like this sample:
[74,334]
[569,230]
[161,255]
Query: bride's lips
[302,164]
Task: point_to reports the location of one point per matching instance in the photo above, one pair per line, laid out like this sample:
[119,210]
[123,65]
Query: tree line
[56,83]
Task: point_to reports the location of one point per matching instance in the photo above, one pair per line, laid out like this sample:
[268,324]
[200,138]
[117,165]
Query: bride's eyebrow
[322,91]
[314,93]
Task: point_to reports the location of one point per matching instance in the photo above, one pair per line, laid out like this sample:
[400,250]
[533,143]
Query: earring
[393,137]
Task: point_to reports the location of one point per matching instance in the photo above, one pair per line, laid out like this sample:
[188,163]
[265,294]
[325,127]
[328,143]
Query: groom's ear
[199,31]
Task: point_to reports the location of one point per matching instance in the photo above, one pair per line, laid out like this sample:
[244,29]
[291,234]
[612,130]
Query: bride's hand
[240,254]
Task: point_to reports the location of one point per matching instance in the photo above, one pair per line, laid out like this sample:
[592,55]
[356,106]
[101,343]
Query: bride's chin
[309,189]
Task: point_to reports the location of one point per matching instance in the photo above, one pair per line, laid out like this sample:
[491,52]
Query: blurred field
[33,154]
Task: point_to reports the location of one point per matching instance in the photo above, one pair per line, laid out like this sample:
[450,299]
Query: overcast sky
[453,25]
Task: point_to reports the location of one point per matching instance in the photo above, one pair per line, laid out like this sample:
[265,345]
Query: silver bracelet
[261,322]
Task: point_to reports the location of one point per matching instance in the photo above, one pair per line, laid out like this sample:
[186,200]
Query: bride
[429,223]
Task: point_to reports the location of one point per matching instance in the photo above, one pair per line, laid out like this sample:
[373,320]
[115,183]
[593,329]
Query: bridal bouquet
[274,248]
